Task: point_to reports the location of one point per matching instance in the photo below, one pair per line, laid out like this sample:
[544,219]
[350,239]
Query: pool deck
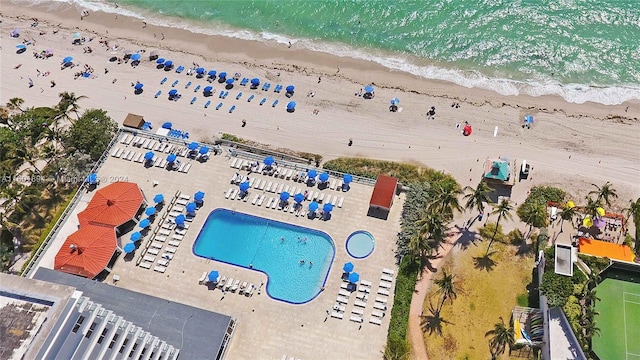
[266,328]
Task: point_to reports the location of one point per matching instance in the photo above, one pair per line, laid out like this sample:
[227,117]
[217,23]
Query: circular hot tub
[360,244]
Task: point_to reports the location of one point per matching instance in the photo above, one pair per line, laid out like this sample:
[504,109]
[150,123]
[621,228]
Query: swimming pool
[360,244]
[272,247]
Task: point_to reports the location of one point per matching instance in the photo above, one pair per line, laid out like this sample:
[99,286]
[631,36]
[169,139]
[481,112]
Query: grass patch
[406,173]
[484,296]
[523,300]
[299,154]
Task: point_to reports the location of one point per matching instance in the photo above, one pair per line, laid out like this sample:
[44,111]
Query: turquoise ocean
[582,50]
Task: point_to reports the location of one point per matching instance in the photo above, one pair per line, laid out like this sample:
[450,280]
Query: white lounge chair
[178,208]
[235,285]
[342,299]
[153,251]
[160,269]
[385,277]
[249,291]
[376,313]
[328,200]
[344,285]
[337,315]
[338,307]
[181,231]
[187,168]
[177,237]
[357,312]
[228,193]
[170,249]
[332,184]
[339,185]
[163,262]
[149,258]
[243,287]
[388,271]
[364,289]
[233,162]
[382,291]
[145,265]
[341,201]
[203,278]
[160,238]
[365,283]
[255,199]
[385,285]
[222,282]
[280,187]
[356,318]
[228,285]
[156,245]
[269,185]
[269,202]
[168,226]
[182,202]
[262,184]
[381,300]
[321,197]
[344,292]
[275,203]
[175,243]
[360,303]
[233,194]
[334,201]
[184,196]
[260,200]
[165,232]
[379,306]
[137,157]
[375,320]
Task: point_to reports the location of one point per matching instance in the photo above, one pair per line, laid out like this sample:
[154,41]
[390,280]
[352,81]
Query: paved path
[416,336]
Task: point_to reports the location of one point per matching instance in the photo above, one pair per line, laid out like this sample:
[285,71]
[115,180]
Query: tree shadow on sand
[433,322]
[466,237]
[484,262]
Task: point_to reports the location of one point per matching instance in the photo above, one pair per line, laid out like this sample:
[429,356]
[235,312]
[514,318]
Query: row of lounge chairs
[154,145]
[233,285]
[363,291]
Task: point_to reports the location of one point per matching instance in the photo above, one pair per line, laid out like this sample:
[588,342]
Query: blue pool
[272,247]
[360,244]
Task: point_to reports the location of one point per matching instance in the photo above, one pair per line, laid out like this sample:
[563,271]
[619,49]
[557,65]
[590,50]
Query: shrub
[486,232]
[231,137]
[515,237]
[406,173]
[557,288]
[405,284]
[596,264]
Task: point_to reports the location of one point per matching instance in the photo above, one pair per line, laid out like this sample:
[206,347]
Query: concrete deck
[267,329]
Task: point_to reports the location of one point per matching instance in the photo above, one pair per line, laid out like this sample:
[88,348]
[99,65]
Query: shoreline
[278,57]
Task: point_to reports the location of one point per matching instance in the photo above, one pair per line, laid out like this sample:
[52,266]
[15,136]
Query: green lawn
[618,320]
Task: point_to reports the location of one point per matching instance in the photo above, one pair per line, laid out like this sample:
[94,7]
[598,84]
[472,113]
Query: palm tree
[568,213]
[15,104]
[534,214]
[476,198]
[68,104]
[432,228]
[503,209]
[419,247]
[446,287]
[633,212]
[501,337]
[592,207]
[445,199]
[605,192]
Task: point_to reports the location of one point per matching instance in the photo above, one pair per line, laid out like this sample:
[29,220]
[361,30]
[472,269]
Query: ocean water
[583,50]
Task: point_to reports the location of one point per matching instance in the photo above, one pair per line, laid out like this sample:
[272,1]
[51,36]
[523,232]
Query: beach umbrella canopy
[255,81]
[158,198]
[172,158]
[587,221]
[168,63]
[173,92]
[395,101]
[312,174]
[200,70]
[313,206]
[68,59]
[528,119]
[213,276]
[21,46]
[348,267]
[129,248]
[15,32]
[136,57]
[324,177]
[291,105]
[191,207]
[150,211]
[138,86]
[208,89]
[290,89]
[203,150]
[135,236]
[347,178]
[212,73]
[223,75]
[298,198]
[193,145]
[199,196]
[284,196]
[467,130]
[92,178]
[571,204]
[244,186]
[600,223]
[229,81]
[145,223]
[354,277]
[327,207]
[167,125]
[368,89]
[600,211]
[76,35]
[149,155]
[268,160]
[180,219]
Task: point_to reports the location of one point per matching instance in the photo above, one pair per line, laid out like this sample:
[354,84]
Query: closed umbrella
[347,178]
[324,177]
[268,160]
[135,236]
[284,196]
[348,267]
[213,276]
[244,186]
[158,198]
[150,211]
[145,223]
[298,198]
[312,174]
[354,277]
[193,145]
[180,219]
[129,248]
[172,158]
[313,206]
[136,57]
[199,196]
[149,155]
[191,207]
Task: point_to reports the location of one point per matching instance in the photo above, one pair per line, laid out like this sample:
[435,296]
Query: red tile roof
[113,205]
[384,191]
[87,251]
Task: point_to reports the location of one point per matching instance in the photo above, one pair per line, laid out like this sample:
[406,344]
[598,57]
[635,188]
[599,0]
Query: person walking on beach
[30,83]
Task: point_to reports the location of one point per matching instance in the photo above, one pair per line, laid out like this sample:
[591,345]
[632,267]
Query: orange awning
[113,205]
[605,249]
[87,251]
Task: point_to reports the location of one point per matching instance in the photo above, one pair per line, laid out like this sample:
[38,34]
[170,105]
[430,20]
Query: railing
[65,213]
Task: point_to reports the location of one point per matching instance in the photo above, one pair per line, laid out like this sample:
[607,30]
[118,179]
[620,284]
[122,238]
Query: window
[124,344]
[133,349]
[104,333]
[113,340]
[78,323]
[90,332]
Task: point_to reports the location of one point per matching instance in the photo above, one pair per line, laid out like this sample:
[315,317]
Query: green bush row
[405,173]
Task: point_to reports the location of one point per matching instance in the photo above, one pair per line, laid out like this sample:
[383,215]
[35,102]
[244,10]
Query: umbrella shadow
[485,262]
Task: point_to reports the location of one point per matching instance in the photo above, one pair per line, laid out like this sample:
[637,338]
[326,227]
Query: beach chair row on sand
[232,285]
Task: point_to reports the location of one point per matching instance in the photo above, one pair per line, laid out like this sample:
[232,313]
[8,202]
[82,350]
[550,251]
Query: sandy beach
[569,145]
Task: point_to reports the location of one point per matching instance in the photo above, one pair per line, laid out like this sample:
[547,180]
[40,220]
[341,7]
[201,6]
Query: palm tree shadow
[466,238]
[484,262]
[433,322]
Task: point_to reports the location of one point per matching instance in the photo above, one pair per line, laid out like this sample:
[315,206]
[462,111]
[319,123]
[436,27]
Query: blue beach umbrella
[528,119]
[67,60]
[145,223]
[312,174]
[15,32]
[223,75]
[348,267]
[213,276]
[92,178]
[158,198]
[21,46]
[135,236]
[284,196]
[168,63]
[150,211]
[129,248]
[199,196]
[212,73]
[354,277]
[172,158]
[395,101]
[138,86]
[368,89]
[290,89]
[76,35]
[347,178]
[298,198]
[324,177]
[149,155]
[167,125]
[327,208]
[180,219]
[230,81]
[291,105]
[313,206]
[203,150]
[268,160]
[136,57]
[191,207]
[193,145]
[160,61]
[255,81]
[173,92]
[244,186]
[200,70]
[207,89]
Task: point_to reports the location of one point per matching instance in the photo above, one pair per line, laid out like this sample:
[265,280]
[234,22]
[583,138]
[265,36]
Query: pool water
[272,247]
[360,244]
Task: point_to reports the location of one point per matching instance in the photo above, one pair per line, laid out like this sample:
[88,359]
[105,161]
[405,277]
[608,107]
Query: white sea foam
[574,93]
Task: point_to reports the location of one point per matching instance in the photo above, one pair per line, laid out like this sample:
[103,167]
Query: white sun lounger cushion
[382,291]
[182,202]
[337,315]
[175,243]
[381,300]
[178,208]
[344,292]
[170,249]
[386,278]
[145,265]
[356,318]
[377,313]
[160,269]
[365,283]
[177,237]
[184,196]
[153,251]
[342,299]
[357,312]
[160,238]
[181,231]
[341,201]
[375,320]
[338,307]
[156,245]
[149,258]
[360,303]
[163,262]
[388,271]
[344,285]
[165,232]
[384,284]
[379,306]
